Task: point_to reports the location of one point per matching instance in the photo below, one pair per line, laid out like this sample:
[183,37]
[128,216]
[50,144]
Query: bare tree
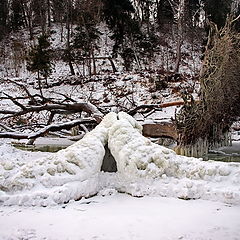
[68,26]
[27,7]
[14,123]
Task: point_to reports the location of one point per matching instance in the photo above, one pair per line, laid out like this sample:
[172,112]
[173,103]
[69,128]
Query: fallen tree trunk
[152,130]
[14,123]
[42,132]
[74,107]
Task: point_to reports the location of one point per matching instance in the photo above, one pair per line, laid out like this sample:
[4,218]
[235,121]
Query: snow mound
[147,168]
[68,174]
[144,168]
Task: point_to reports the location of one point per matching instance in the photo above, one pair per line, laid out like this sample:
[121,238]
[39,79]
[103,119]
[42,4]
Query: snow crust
[144,168]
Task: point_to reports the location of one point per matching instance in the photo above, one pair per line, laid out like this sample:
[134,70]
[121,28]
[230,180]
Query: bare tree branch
[149,107]
[15,101]
[74,107]
[6,128]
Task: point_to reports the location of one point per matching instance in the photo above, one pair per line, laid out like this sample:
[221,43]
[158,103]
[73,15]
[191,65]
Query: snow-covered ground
[122,217]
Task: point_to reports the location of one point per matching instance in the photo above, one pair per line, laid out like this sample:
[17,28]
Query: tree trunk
[68,41]
[181,16]
[94,64]
[113,65]
[178,57]
[71,67]
[28,12]
[49,13]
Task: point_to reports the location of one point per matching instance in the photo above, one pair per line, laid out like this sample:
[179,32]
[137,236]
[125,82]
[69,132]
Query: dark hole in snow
[109,163]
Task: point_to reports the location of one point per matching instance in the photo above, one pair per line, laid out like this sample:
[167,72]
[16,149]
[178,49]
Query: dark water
[225,154]
[222,158]
[41,148]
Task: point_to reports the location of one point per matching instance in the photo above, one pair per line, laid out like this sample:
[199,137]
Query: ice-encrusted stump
[68,174]
[147,168]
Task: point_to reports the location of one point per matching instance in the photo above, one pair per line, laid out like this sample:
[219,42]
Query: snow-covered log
[77,107]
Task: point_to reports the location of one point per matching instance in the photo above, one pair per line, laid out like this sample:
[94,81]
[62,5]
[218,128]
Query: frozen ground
[122,217]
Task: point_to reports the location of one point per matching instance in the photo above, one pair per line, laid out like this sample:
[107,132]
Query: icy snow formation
[144,168]
[68,174]
[147,168]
